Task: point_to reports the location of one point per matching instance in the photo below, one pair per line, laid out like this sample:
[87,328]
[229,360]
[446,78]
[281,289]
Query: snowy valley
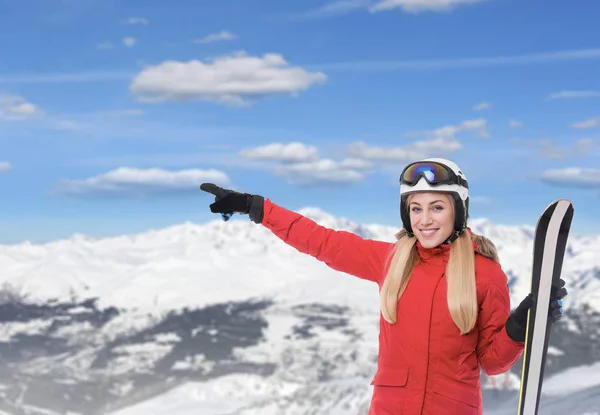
[224,318]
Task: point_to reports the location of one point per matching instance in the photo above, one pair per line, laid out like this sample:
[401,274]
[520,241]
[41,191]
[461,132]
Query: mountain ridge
[76,265]
[92,325]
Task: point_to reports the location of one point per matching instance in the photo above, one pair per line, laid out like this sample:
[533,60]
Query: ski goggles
[435,174]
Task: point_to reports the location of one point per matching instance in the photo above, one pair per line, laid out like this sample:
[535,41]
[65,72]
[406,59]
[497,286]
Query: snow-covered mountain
[229,317]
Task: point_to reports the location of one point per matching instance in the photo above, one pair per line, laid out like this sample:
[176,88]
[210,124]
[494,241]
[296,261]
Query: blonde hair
[460,276]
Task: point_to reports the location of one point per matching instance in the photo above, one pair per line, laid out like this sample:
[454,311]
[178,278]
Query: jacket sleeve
[340,250]
[496,351]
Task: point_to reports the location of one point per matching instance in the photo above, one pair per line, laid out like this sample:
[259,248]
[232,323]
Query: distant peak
[81,237]
[325,218]
[316,213]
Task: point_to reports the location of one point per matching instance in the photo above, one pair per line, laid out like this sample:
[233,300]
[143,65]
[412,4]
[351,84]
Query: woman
[444,298]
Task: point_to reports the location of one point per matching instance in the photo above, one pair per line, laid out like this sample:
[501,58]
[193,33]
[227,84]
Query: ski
[550,240]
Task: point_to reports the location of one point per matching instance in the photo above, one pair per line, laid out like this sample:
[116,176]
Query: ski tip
[563,204]
[567,205]
[552,206]
[563,200]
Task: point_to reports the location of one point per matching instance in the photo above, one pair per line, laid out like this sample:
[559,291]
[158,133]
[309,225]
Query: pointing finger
[213,189]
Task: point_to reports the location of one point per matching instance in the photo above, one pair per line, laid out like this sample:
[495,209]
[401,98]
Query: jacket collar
[442,251]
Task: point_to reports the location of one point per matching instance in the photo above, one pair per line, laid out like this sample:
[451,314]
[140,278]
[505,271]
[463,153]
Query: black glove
[517,322]
[227,202]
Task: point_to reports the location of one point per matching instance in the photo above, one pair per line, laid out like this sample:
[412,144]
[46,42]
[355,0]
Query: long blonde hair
[460,276]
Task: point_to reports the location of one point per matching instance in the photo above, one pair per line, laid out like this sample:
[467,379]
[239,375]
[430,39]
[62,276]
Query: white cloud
[419,6]
[291,152]
[5,166]
[478,127]
[515,124]
[129,41]
[356,163]
[357,66]
[440,141]
[323,171]
[66,125]
[14,107]
[571,94]
[336,8]
[104,46]
[580,148]
[573,177]
[137,20]
[132,182]
[550,150]
[216,37]
[414,151]
[300,164]
[585,124]
[456,63]
[408,6]
[232,79]
[482,106]
[26,108]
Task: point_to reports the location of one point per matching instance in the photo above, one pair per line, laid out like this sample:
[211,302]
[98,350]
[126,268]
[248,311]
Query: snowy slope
[253,395]
[187,265]
[192,265]
[225,304]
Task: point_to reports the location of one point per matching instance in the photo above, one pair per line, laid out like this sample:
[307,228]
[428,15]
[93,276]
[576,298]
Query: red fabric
[425,367]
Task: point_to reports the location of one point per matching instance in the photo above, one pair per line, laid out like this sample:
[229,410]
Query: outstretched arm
[496,350]
[340,250]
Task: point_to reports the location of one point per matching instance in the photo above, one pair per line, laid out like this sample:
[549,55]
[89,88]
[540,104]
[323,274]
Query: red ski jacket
[425,366]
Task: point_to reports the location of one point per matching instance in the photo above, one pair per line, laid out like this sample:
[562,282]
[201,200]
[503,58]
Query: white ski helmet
[436,175]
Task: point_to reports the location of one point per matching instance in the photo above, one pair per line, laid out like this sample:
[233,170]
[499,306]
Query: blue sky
[112,113]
